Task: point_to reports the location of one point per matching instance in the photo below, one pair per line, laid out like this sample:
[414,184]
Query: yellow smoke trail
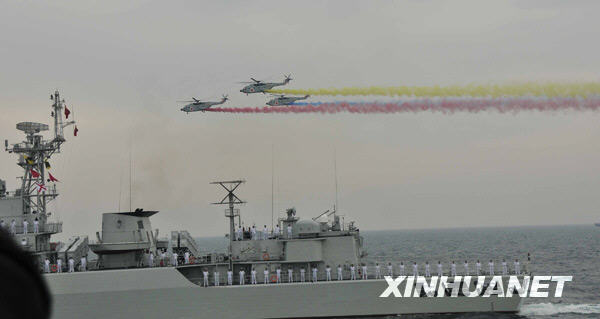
[509,90]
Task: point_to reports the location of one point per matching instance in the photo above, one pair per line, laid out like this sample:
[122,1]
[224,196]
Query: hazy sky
[121,65]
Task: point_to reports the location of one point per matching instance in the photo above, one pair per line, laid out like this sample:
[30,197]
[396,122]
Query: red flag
[75,131]
[52,178]
[40,187]
[67,112]
[34,174]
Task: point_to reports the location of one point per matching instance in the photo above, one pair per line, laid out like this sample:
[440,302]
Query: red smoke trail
[446,106]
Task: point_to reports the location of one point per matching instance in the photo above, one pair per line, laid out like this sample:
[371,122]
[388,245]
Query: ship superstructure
[300,245]
[24,212]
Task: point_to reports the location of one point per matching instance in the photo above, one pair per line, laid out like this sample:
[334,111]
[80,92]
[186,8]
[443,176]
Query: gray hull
[165,293]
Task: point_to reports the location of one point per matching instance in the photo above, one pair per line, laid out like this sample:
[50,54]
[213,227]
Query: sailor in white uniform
[163,258]
[390,270]
[352,272]
[401,268]
[466,268]
[290,274]
[314,274]
[83,265]
[186,257]
[340,275]
[478,267]
[328,273]
[59,265]
[242,275]
[25,224]
[427,273]
[453,269]
[229,277]
[266,275]
[36,226]
[364,271]
[13,227]
[289,231]
[277,231]
[239,233]
[265,233]
[151,260]
[175,260]
[415,269]
[71,265]
[517,267]
[302,274]
[253,232]
[216,277]
[278,271]
[491,265]
[205,275]
[504,267]
[377,271]
[439,269]
[46,265]
[253,276]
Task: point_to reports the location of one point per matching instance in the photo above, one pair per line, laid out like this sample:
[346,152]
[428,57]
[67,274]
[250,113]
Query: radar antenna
[230,199]
[34,154]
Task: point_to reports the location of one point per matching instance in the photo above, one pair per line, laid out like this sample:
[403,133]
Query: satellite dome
[307,226]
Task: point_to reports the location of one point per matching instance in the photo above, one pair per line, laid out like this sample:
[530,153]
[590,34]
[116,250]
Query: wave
[548,309]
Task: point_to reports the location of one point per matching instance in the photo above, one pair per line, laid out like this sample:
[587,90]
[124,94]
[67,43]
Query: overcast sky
[121,65]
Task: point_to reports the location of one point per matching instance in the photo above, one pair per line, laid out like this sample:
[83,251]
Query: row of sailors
[277,278]
[58,267]
[173,260]
[251,233]
[13,226]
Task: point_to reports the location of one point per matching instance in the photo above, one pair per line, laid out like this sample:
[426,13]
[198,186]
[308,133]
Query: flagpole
[272,182]
[130,173]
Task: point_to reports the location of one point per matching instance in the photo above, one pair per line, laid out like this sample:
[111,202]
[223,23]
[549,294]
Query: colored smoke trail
[510,90]
[447,106]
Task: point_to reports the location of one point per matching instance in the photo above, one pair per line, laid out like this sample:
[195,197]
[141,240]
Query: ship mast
[34,154]
[230,199]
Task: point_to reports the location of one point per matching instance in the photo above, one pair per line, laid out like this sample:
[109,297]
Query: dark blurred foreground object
[24,293]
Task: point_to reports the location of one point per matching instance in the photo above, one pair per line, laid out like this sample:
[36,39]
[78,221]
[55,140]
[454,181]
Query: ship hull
[165,293]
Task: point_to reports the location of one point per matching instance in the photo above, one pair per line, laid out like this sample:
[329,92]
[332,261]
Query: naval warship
[123,280]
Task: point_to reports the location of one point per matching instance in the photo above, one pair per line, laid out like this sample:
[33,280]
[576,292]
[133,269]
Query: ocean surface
[555,250]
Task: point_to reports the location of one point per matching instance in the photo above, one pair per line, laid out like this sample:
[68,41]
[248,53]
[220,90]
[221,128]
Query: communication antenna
[120,187]
[272,182]
[130,173]
[230,199]
[336,179]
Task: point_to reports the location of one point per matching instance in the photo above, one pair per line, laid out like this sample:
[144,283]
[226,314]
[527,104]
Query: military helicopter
[257,86]
[285,100]
[197,105]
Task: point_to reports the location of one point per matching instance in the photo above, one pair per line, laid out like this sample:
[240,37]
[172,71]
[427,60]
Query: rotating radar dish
[31,127]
